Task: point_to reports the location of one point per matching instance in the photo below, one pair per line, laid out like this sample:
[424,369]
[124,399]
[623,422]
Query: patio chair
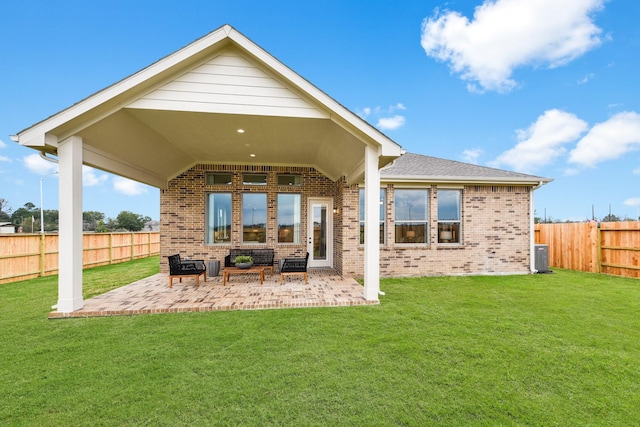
[179,268]
[294,266]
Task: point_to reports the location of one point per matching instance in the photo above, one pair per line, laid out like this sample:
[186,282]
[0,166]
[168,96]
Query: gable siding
[228,83]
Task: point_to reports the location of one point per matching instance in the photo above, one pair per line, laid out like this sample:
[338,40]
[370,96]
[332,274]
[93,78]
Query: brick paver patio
[153,295]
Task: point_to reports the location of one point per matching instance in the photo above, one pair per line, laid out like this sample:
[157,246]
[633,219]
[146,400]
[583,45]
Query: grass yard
[555,349]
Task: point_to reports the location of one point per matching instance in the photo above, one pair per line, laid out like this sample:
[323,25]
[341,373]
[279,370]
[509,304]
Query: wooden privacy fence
[25,256]
[608,247]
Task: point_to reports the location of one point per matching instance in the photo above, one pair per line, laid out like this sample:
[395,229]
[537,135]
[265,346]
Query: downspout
[532,237]
[49,159]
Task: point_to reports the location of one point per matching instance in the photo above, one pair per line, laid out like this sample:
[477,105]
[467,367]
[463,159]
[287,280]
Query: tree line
[607,218]
[27,219]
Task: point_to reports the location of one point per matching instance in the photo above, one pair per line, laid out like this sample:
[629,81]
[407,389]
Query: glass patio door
[320,232]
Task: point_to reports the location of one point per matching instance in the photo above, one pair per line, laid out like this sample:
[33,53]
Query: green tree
[5,211]
[611,218]
[92,220]
[131,221]
[50,217]
[26,216]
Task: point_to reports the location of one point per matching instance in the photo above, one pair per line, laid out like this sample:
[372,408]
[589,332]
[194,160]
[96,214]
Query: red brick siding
[495,224]
[182,210]
[495,236]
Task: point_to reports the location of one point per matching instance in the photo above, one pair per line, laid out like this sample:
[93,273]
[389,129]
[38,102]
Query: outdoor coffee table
[229,271]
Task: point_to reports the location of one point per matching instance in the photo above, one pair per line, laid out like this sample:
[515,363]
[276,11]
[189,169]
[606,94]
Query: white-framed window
[289,214]
[382,211]
[218,222]
[449,216]
[411,216]
[254,218]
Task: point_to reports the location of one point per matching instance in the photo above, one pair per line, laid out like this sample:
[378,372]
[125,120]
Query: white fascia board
[41,140]
[463,180]
[340,114]
[32,136]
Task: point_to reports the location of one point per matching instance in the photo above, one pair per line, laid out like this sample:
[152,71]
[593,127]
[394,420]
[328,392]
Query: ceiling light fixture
[240,131]
[252,155]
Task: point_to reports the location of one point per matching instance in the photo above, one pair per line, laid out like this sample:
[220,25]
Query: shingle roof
[417,167]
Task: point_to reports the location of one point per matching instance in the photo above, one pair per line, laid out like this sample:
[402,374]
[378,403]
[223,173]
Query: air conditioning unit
[542,258]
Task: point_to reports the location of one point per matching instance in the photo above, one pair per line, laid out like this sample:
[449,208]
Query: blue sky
[546,87]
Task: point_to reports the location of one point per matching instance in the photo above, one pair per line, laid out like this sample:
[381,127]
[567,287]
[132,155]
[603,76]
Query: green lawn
[555,349]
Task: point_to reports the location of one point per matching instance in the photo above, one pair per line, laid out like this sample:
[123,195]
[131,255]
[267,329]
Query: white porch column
[70,225]
[371,224]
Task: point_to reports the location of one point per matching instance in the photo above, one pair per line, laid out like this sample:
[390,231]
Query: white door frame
[328,202]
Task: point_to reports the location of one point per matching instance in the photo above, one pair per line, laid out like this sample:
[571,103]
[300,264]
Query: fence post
[42,258]
[110,248]
[599,249]
[132,246]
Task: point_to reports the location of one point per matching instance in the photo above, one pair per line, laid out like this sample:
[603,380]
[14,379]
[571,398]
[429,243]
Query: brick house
[247,153]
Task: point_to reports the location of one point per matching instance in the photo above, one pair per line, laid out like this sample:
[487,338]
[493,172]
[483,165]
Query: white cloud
[128,187]
[366,112]
[387,117]
[4,158]
[636,171]
[571,172]
[38,165]
[542,142]
[472,155]
[608,140]
[390,123]
[586,78]
[633,201]
[506,34]
[90,178]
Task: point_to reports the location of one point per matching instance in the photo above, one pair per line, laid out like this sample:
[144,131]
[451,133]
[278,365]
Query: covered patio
[224,103]
[152,295]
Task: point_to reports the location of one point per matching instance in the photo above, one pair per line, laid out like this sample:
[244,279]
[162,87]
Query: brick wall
[183,207]
[495,225]
[495,236]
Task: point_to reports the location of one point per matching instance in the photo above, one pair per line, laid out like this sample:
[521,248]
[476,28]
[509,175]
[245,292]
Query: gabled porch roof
[223,100]
[188,108]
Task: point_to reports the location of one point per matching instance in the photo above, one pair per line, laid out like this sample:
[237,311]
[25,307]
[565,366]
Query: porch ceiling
[164,144]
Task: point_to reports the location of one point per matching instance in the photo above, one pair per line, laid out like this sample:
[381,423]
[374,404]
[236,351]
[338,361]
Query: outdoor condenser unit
[542,258]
